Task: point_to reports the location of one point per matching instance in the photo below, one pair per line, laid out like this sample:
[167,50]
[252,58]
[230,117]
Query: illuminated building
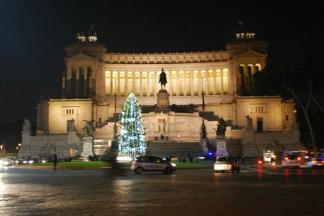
[94,76]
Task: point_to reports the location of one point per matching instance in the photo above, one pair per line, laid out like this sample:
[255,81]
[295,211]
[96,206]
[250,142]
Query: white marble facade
[95,78]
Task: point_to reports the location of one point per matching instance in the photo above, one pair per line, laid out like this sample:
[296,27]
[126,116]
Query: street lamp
[114,143]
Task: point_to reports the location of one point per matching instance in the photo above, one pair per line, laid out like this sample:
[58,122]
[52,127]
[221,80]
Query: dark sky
[34,34]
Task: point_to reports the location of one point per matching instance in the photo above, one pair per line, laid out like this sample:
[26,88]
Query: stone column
[214,82]
[170,82]
[126,82]
[118,83]
[246,78]
[85,83]
[206,80]
[77,83]
[148,93]
[141,91]
[177,87]
[68,82]
[111,83]
[186,89]
[222,84]
[155,82]
[192,83]
[133,82]
[200,83]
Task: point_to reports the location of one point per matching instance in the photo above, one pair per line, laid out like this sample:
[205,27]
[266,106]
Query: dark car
[318,161]
[152,164]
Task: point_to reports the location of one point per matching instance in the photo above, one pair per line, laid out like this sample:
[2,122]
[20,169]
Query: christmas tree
[132,139]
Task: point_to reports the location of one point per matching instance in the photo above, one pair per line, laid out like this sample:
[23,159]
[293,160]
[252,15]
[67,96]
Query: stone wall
[43,146]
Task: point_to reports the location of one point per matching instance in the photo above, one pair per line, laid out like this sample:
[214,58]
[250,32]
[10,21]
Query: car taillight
[260,162]
[299,158]
[286,158]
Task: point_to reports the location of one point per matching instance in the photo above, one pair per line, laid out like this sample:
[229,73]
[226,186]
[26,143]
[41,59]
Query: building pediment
[251,53]
[81,57]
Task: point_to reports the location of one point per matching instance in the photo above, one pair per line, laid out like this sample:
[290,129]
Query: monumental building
[201,87]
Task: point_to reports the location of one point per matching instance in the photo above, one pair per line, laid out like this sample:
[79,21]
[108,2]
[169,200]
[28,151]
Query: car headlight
[173,164]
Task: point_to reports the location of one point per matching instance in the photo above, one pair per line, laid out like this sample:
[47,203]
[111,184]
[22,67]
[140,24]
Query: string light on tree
[132,139]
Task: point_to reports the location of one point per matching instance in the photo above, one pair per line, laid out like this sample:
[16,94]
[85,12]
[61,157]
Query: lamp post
[114,144]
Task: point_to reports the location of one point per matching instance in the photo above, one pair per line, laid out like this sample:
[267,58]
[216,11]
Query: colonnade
[246,72]
[180,83]
[78,82]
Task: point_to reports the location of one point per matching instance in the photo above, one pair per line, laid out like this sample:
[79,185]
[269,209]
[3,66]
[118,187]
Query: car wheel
[139,170]
[168,170]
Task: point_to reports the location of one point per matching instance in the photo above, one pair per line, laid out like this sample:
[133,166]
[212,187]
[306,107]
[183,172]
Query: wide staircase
[173,148]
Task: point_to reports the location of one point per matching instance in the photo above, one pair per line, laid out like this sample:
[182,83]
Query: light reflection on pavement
[256,191]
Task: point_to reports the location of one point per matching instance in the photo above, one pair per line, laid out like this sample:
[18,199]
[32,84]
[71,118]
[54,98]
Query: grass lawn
[77,164]
[199,165]
[103,164]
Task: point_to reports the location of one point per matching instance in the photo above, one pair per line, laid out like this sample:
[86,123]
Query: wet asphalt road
[255,191]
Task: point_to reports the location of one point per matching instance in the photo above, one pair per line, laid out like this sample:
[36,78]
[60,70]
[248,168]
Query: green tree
[131,139]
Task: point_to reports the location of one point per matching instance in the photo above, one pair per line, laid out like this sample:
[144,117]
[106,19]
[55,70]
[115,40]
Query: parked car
[223,164]
[152,163]
[318,161]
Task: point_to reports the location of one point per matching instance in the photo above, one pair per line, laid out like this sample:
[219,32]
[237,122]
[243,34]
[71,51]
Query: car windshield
[292,156]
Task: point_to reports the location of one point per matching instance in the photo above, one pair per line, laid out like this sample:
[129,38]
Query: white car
[295,159]
[7,161]
[223,164]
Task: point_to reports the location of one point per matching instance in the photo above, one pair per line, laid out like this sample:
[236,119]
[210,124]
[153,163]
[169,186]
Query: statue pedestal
[221,149]
[87,147]
[163,101]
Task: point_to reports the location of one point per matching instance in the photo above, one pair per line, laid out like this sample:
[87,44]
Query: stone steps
[163,149]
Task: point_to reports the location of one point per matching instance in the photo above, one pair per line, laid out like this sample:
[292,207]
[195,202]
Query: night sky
[34,34]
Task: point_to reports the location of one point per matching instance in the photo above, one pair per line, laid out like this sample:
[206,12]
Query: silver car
[151,164]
